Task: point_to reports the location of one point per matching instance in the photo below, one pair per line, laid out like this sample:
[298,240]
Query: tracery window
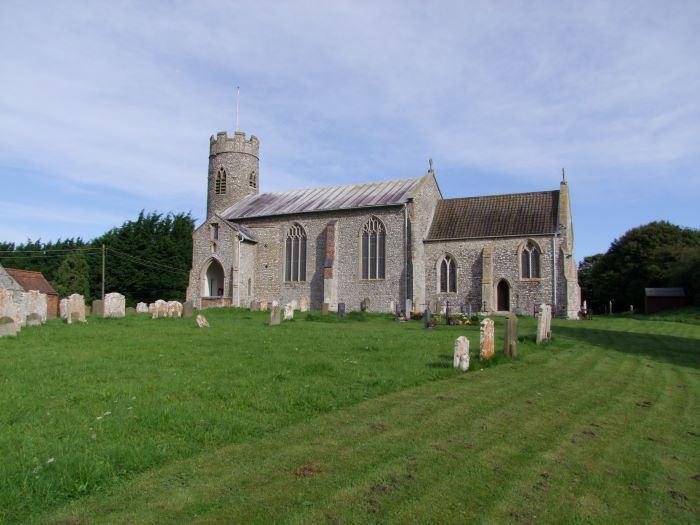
[530,261]
[220,183]
[448,275]
[373,249]
[295,258]
[252,180]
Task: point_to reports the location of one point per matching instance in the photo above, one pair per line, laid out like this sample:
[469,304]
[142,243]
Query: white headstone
[409,307]
[461,355]
[114,305]
[202,321]
[63,308]
[289,312]
[295,304]
[161,309]
[141,308]
[75,311]
[303,304]
[174,309]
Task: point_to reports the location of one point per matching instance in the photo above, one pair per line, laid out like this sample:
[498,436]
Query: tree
[73,276]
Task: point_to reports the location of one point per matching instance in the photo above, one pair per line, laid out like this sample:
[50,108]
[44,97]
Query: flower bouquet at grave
[432,323]
[455,320]
[416,316]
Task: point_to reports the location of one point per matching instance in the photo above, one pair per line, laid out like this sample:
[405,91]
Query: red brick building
[28,281]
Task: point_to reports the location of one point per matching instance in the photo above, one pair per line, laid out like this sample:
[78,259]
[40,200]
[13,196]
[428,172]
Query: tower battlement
[222,143]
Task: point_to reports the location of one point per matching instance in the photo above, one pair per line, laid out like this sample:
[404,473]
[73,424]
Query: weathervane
[238,97]
[563,175]
[430,163]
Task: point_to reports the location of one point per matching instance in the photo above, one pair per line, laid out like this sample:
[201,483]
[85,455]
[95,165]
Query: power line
[156,266]
[48,250]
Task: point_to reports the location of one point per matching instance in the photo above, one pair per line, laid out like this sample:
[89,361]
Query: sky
[106,108]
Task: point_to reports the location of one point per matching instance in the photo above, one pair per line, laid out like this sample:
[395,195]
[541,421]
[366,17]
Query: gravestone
[324,309]
[253,306]
[8,308]
[202,321]
[274,303]
[486,339]
[174,309]
[510,339]
[34,302]
[341,309]
[114,305]
[365,304]
[409,307]
[289,312]
[161,309]
[304,304]
[392,306]
[461,355]
[33,319]
[426,318]
[8,328]
[270,306]
[264,306]
[130,310]
[63,308]
[295,304]
[433,305]
[75,308]
[142,308]
[275,316]
[187,309]
[153,310]
[544,324]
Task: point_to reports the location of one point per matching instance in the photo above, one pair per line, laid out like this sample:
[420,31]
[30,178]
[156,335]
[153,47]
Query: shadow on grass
[682,351]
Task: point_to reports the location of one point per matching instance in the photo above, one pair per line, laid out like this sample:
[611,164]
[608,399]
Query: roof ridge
[501,195]
[338,186]
[25,271]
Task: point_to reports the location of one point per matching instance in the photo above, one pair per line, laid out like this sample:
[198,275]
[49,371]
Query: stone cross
[510,339]
[461,355]
[275,315]
[486,339]
[289,312]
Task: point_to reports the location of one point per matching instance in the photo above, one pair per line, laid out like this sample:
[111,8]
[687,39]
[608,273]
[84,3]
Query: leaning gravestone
[114,305]
[324,309]
[98,308]
[486,339]
[461,355]
[304,304]
[275,316]
[510,339]
[8,328]
[142,308]
[75,309]
[34,319]
[289,312]
[202,322]
[341,309]
[187,309]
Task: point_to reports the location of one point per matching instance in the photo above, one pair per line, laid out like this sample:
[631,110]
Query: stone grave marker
[324,309]
[295,304]
[486,339]
[304,304]
[142,308]
[114,305]
[365,304]
[161,309]
[202,321]
[274,303]
[75,309]
[275,316]
[264,306]
[254,306]
[8,328]
[174,309]
[544,324]
[130,310]
[426,318]
[98,307]
[63,308]
[187,309]
[409,307]
[33,319]
[510,339]
[341,309]
[461,355]
[392,306]
[289,312]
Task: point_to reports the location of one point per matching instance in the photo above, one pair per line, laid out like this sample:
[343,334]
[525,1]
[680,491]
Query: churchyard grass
[354,421]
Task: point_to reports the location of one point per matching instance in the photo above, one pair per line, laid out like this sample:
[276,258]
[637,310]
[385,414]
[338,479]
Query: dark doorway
[503,293]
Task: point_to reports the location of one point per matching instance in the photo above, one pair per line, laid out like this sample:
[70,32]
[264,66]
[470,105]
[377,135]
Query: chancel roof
[373,194]
[29,280]
[517,214]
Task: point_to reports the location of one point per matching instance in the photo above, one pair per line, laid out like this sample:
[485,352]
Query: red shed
[657,299]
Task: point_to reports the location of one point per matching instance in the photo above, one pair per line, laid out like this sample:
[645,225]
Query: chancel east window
[373,249]
[220,183]
[448,275]
[295,258]
[530,261]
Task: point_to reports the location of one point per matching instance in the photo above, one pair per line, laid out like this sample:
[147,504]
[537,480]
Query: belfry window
[530,261]
[295,256]
[448,275]
[373,249]
[253,180]
[220,183]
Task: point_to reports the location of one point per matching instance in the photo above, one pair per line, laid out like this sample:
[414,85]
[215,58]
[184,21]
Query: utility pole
[103,272]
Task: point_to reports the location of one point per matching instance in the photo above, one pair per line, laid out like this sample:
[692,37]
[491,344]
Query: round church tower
[233,170]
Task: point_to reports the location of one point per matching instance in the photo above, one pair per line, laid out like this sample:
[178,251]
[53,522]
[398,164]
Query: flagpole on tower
[238,97]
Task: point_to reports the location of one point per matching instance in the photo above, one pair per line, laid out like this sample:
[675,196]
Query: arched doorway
[503,296]
[213,280]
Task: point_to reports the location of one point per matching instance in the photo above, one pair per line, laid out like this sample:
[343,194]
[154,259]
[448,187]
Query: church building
[386,241]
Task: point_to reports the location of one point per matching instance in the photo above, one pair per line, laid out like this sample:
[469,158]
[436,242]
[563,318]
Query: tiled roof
[31,281]
[387,193]
[664,292]
[517,214]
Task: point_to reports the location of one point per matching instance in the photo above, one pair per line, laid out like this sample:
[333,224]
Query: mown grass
[348,422]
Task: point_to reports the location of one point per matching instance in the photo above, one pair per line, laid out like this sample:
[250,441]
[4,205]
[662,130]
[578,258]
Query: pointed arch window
[253,180]
[373,249]
[530,261]
[448,275]
[295,254]
[220,183]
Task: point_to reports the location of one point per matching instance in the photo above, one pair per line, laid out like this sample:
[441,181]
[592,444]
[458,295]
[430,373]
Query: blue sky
[106,108]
